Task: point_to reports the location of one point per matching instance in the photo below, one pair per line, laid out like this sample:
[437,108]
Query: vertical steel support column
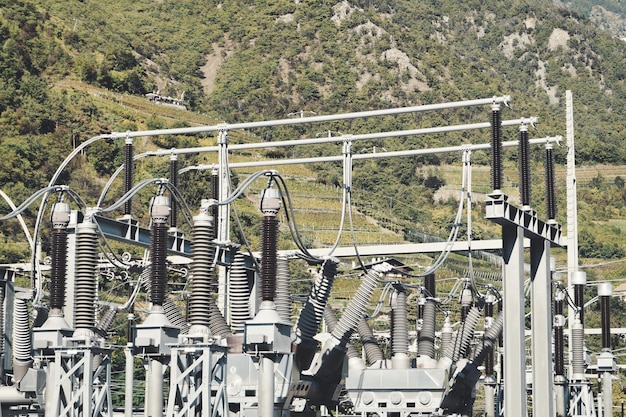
[541,325]
[266,386]
[223,220]
[129,380]
[195,372]
[572,204]
[82,386]
[514,354]
[154,388]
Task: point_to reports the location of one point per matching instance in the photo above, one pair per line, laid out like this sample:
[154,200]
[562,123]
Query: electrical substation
[236,349]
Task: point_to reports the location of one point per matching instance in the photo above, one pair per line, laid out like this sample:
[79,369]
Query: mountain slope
[246,60]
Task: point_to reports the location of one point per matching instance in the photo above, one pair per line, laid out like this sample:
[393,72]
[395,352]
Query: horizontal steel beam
[127,230]
[406,248]
[498,210]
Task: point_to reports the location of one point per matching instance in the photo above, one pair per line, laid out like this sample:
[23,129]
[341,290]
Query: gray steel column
[515,401]
[129,380]
[541,324]
[223,220]
[154,389]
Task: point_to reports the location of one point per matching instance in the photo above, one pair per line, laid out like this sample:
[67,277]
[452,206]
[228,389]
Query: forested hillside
[64,67]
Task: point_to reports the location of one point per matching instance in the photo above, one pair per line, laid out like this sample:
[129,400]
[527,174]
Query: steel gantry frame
[520,229]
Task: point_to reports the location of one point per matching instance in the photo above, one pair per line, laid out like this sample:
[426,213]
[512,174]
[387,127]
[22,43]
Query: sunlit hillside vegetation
[72,70]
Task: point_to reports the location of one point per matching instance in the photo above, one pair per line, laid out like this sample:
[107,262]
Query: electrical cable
[20,219]
[291,222]
[130,193]
[341,221]
[451,237]
[244,239]
[346,190]
[381,300]
[32,198]
[353,235]
[163,183]
[453,291]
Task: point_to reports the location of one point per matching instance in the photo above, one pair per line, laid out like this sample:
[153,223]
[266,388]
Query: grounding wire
[244,239]
[347,186]
[381,300]
[353,235]
[233,207]
[451,237]
[453,291]
[109,253]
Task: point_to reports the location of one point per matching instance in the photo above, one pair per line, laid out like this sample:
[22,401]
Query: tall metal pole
[572,205]
[541,325]
[514,353]
[223,220]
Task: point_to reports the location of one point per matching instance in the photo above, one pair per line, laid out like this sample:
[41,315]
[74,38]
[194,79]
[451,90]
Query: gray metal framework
[516,225]
[82,385]
[260,380]
[198,381]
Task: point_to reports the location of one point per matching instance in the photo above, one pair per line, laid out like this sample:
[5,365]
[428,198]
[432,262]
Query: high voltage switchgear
[243,347]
